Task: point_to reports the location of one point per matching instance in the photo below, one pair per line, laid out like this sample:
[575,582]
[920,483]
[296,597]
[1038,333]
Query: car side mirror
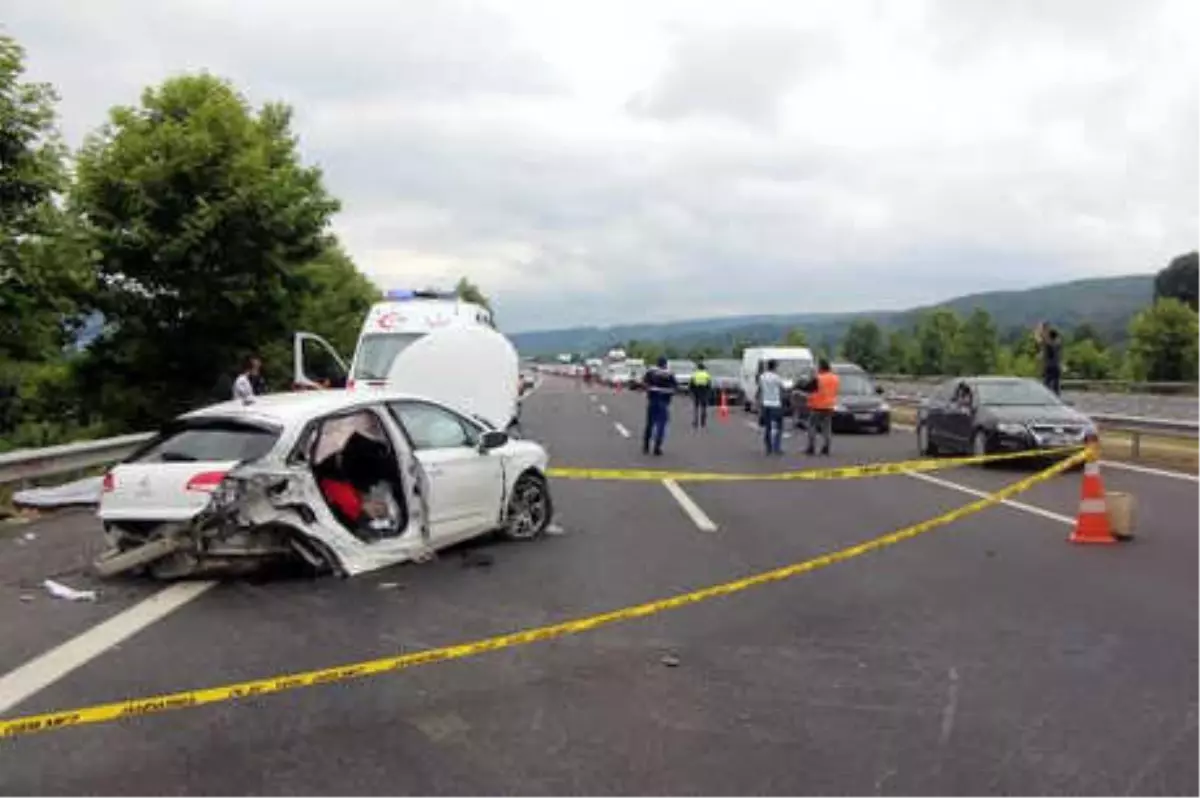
[492,439]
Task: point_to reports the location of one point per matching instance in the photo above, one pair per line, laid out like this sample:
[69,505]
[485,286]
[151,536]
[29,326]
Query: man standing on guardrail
[1051,345]
[660,387]
[821,404]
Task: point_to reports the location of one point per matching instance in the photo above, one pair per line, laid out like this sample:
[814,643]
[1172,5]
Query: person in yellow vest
[701,388]
[821,404]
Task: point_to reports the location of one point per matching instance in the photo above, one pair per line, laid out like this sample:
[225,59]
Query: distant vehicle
[795,362]
[617,374]
[389,328]
[861,405]
[683,371]
[637,372]
[725,378]
[984,415]
[349,481]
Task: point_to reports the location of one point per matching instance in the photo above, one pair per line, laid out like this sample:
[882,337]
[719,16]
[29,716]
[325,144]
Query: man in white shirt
[243,386]
[770,399]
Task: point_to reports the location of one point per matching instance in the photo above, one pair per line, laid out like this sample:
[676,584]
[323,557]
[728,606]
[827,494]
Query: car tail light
[110,482]
[206,482]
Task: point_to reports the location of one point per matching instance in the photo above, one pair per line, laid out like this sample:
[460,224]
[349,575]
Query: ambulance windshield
[376,352]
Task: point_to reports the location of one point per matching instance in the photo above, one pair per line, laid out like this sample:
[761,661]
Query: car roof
[288,408]
[993,379]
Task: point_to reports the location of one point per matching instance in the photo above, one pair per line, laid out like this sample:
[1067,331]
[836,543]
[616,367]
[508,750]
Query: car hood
[1035,414]
[470,367]
[861,401]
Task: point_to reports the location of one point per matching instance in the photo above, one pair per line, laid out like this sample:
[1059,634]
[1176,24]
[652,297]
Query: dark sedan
[726,376]
[860,404]
[986,415]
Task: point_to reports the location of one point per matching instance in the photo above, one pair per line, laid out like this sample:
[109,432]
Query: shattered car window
[336,431]
[209,441]
[431,427]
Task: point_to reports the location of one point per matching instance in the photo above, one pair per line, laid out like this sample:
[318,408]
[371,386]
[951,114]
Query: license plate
[864,416]
[1054,440]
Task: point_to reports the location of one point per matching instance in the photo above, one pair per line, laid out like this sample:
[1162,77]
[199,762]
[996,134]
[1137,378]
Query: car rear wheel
[924,442]
[529,509]
[979,445]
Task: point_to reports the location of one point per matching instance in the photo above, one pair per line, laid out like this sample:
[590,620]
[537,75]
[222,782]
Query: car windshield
[375,354]
[1014,393]
[209,441]
[855,385]
[723,368]
[791,369]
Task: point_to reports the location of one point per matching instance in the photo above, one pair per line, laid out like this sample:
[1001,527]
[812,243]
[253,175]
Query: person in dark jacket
[1051,344]
[660,387]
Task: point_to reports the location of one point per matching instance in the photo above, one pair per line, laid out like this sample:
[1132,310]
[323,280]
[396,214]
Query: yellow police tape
[102,713]
[840,472]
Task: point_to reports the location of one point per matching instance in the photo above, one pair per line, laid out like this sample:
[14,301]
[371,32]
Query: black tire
[885,428]
[925,444]
[530,508]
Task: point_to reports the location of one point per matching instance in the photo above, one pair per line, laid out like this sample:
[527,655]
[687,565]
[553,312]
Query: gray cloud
[597,163]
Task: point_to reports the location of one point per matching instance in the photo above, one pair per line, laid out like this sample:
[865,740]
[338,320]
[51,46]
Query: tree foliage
[470,292]
[863,345]
[1179,280]
[1163,345]
[937,334]
[977,348]
[202,217]
[795,337]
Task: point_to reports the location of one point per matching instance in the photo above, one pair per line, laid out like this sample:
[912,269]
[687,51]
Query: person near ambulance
[660,387]
[701,390]
[822,400]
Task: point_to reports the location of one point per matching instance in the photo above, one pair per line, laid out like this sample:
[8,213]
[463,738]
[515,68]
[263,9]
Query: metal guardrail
[1086,386]
[25,464]
[1133,426]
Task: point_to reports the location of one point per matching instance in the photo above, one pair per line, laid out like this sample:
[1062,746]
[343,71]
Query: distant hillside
[1106,303]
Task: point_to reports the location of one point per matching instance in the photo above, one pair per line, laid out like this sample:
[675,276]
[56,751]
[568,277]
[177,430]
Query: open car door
[315,364]
[471,368]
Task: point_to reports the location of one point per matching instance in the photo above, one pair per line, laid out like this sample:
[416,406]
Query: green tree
[863,345]
[937,337]
[901,352]
[1178,280]
[469,292]
[203,219]
[978,347]
[1163,342]
[795,337]
[1086,360]
[1086,332]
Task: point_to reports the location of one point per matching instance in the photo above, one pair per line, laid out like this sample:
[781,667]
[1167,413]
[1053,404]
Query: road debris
[59,590]
[390,586]
[670,660]
[477,559]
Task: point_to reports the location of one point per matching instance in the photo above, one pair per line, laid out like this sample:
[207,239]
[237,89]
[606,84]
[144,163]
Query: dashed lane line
[604,409]
[38,674]
[1022,506]
[698,516]
[624,433]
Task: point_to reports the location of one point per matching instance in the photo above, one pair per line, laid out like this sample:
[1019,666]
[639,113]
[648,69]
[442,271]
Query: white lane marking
[1154,472]
[604,409]
[1028,508]
[40,673]
[699,518]
[621,429]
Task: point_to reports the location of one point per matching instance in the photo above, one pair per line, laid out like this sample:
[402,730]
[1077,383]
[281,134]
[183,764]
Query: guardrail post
[1135,445]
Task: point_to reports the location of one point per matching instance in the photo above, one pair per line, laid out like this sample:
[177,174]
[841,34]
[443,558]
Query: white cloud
[614,161]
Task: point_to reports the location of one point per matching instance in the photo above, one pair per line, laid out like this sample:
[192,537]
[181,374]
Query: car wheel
[529,509]
[885,428]
[924,442]
[979,444]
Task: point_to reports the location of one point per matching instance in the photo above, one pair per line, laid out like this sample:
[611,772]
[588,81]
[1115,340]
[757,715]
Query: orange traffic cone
[1091,526]
[723,408]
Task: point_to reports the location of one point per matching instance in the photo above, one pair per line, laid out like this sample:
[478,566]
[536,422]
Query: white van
[390,327]
[794,362]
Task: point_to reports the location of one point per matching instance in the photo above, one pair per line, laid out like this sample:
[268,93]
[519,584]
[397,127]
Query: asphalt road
[988,657]
[1176,408]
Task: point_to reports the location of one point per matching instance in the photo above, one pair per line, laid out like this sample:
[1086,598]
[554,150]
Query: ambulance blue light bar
[401,294]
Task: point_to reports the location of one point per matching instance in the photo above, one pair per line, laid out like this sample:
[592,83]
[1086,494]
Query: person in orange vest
[821,404]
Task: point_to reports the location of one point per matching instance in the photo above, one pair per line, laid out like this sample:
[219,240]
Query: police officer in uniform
[701,388]
[660,387]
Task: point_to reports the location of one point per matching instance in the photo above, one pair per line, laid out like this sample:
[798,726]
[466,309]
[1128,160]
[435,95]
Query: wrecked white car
[348,481]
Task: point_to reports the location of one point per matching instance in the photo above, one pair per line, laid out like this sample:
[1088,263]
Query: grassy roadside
[1176,454]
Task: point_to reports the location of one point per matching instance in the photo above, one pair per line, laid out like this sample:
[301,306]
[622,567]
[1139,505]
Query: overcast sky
[605,162]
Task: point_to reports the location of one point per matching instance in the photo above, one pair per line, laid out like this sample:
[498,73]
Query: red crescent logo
[386,321]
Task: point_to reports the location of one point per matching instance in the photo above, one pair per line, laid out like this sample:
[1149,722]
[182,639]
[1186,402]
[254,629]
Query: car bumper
[855,420]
